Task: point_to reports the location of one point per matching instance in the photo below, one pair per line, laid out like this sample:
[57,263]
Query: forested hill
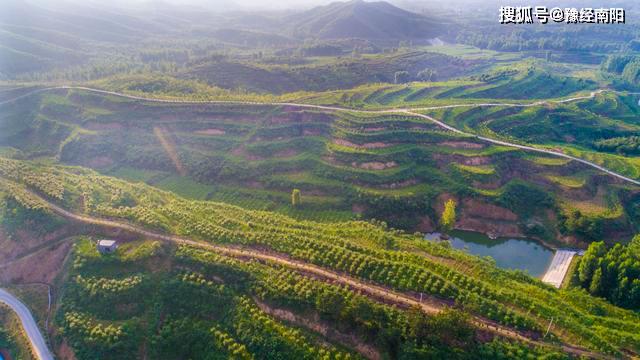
[366,20]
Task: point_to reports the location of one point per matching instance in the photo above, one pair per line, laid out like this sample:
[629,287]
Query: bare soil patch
[242,152]
[376,165]
[482,217]
[100,162]
[425,225]
[212,131]
[445,160]
[373,145]
[373,129]
[103,126]
[475,208]
[42,267]
[399,184]
[286,153]
[311,132]
[477,160]
[358,208]
[462,145]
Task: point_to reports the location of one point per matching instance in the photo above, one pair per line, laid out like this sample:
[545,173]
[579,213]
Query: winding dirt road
[431,306]
[406,111]
[38,345]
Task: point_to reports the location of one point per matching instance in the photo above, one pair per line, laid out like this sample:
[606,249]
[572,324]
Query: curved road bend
[38,345]
[407,111]
[372,290]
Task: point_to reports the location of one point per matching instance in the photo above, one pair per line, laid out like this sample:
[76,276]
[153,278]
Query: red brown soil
[373,145]
[64,351]
[358,208]
[445,159]
[100,162]
[462,145]
[43,266]
[425,225]
[482,217]
[241,151]
[286,153]
[23,241]
[254,185]
[373,129]
[476,208]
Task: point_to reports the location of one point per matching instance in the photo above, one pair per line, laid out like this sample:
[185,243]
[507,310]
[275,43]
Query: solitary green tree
[448,219]
[295,197]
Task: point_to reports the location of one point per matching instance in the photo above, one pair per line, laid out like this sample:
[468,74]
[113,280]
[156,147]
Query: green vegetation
[295,198]
[448,219]
[203,305]
[621,145]
[612,273]
[363,250]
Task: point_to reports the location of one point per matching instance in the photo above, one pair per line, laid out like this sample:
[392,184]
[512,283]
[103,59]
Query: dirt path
[407,111]
[368,288]
[324,328]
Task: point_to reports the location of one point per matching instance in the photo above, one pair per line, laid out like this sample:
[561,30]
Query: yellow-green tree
[448,219]
[295,197]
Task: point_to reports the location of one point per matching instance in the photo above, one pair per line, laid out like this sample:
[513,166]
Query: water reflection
[508,253]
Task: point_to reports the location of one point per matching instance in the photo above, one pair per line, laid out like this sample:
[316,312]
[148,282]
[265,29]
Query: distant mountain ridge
[366,20]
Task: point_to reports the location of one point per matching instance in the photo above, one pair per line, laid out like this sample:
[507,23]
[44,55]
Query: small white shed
[107,246]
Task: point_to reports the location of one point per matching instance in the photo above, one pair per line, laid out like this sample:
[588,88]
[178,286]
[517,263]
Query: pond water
[521,254]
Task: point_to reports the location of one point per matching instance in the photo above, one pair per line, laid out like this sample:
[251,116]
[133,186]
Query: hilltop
[367,20]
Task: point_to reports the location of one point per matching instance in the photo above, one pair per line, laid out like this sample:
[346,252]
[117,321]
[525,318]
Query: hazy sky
[285,4]
[233,5]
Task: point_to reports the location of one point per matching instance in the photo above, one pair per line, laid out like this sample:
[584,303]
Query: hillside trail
[431,306]
[407,111]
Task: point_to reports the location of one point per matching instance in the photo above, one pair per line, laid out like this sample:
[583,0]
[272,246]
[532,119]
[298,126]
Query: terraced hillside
[394,167]
[362,251]
[601,129]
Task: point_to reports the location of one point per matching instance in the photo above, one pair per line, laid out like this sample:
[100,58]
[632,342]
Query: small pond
[509,253]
